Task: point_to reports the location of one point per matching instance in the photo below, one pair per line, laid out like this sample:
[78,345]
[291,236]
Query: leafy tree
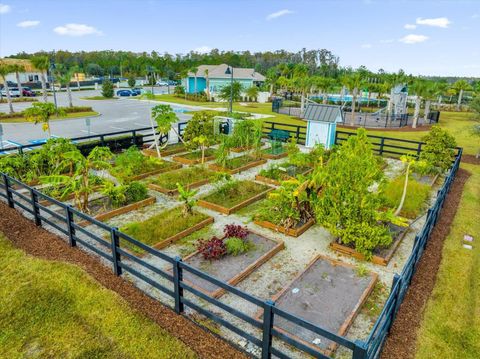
[6,69]
[79,182]
[41,112]
[94,69]
[353,82]
[234,90]
[460,87]
[42,64]
[179,90]
[438,150]
[201,124]
[64,76]
[107,89]
[17,68]
[345,205]
[131,81]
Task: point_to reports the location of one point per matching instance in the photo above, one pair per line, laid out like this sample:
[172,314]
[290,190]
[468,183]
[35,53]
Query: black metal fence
[115,250]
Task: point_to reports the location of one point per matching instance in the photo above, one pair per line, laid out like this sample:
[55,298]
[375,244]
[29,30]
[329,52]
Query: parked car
[27,91]
[162,83]
[125,93]
[136,91]
[14,92]
[172,83]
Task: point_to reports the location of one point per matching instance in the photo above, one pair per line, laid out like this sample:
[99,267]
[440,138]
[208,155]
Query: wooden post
[267,329]
[177,289]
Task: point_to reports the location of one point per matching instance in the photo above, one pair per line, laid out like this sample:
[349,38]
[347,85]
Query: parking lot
[115,115]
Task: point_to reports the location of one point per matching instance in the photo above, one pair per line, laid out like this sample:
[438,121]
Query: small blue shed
[322,124]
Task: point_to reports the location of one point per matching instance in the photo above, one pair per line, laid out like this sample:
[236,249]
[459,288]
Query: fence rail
[112,248]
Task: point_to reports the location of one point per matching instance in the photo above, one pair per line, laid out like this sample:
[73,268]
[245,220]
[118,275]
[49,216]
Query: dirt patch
[471,159]
[401,342]
[38,242]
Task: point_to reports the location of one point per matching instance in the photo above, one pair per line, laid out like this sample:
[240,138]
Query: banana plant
[187,197]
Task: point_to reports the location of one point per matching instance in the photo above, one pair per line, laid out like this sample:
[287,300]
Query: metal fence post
[177,289]
[71,230]
[10,201]
[360,350]
[134,134]
[382,143]
[298,133]
[115,243]
[267,329]
[102,140]
[419,149]
[36,210]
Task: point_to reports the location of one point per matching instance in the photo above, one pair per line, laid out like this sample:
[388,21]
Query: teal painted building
[214,78]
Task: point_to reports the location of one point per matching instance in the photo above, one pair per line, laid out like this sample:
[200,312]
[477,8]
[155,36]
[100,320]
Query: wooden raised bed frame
[350,318]
[238,169]
[172,192]
[227,211]
[243,274]
[274,157]
[187,161]
[118,211]
[165,152]
[293,232]
[174,166]
[376,259]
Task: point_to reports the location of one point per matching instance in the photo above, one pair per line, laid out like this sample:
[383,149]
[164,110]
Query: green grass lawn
[415,200]
[55,310]
[451,324]
[53,118]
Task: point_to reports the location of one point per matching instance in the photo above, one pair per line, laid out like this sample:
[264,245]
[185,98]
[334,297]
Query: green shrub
[417,194]
[437,152]
[107,89]
[236,246]
[136,191]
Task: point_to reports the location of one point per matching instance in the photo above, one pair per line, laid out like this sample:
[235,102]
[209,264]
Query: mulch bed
[471,159]
[39,242]
[401,342]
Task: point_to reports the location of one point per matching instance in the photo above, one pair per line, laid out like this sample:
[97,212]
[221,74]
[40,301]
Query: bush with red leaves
[234,230]
[213,248]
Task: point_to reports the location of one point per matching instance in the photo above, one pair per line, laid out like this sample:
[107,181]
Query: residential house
[217,77]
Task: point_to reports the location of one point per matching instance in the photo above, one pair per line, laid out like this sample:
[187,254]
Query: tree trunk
[459,102]
[20,89]
[325,97]
[207,82]
[44,87]
[417,111]
[427,111]
[354,99]
[271,90]
[9,98]
[404,194]
[302,102]
[69,93]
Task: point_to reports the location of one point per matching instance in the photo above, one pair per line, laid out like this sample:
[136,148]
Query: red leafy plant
[235,230]
[213,248]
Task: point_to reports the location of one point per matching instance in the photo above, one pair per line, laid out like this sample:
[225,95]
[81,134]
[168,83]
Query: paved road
[116,115]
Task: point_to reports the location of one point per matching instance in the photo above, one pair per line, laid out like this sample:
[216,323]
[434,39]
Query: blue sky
[421,37]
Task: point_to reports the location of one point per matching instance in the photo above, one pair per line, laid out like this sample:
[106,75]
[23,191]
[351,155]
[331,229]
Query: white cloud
[366,46]
[410,26]
[283,12]
[436,22]
[413,39]
[4,8]
[76,30]
[28,23]
[203,49]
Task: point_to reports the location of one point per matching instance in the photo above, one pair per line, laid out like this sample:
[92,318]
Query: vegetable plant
[213,248]
[235,230]
[187,197]
[236,246]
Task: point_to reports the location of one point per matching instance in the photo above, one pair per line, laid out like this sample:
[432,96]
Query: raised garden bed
[238,164]
[233,196]
[231,269]
[188,177]
[274,153]
[277,174]
[105,212]
[164,228]
[293,232]
[240,149]
[195,157]
[164,167]
[167,151]
[327,293]
[381,256]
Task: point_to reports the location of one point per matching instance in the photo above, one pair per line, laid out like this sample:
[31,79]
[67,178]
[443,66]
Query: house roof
[218,71]
[323,113]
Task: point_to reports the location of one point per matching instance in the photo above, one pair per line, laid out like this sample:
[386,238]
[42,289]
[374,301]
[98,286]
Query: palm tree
[460,86]
[64,76]
[6,69]
[429,93]
[353,82]
[42,64]
[194,70]
[324,84]
[418,87]
[272,77]
[207,84]
[17,68]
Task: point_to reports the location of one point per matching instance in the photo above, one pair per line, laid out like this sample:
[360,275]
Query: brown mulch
[471,159]
[401,342]
[420,128]
[40,243]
